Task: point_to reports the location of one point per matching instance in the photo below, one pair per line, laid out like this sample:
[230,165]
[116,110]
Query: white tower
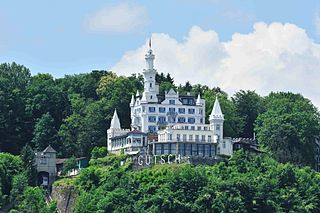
[114,130]
[216,121]
[150,88]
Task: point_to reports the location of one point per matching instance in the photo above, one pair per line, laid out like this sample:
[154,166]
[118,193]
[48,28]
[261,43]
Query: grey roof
[49,149]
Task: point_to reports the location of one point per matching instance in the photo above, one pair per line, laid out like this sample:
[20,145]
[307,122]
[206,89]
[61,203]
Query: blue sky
[245,44]
[51,36]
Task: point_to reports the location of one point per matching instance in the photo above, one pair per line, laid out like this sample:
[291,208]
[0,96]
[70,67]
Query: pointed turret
[132,102]
[137,94]
[198,100]
[216,111]
[115,122]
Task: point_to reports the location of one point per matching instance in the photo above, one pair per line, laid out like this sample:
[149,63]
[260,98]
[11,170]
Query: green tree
[44,133]
[99,152]
[14,128]
[289,128]
[248,105]
[33,201]
[28,159]
[10,166]
[19,183]
[117,92]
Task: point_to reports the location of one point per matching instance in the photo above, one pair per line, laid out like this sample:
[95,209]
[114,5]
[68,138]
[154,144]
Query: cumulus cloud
[118,18]
[275,57]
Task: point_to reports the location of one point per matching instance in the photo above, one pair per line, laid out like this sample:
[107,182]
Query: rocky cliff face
[65,196]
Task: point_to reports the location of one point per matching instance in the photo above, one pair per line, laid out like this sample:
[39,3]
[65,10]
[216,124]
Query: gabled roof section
[49,149]
[172,92]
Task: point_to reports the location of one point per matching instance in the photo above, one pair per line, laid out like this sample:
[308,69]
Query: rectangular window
[172,102]
[162,119]
[178,137]
[191,111]
[188,149]
[194,149]
[182,110]
[201,149]
[190,137]
[152,119]
[184,137]
[171,119]
[224,144]
[166,149]
[170,137]
[218,127]
[192,127]
[186,127]
[197,138]
[172,109]
[173,149]
[207,150]
[199,128]
[203,138]
[205,128]
[181,120]
[162,109]
[200,111]
[43,160]
[152,109]
[152,129]
[191,120]
[209,138]
[158,149]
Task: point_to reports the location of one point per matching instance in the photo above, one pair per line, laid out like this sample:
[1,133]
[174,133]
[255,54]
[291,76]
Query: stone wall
[65,197]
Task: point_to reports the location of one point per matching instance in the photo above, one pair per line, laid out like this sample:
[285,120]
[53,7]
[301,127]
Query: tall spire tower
[151,90]
[216,119]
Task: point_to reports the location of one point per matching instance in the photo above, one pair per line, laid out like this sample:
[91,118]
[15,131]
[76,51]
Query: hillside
[245,183]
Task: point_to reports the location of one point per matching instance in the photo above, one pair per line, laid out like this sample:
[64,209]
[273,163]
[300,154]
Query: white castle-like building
[169,124]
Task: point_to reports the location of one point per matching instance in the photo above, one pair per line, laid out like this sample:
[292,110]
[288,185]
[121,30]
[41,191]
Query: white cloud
[118,18]
[275,57]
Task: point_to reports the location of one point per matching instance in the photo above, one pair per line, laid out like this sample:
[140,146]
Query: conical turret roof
[115,122]
[216,112]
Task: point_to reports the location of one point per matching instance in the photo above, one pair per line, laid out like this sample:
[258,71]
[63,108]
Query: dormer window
[172,102]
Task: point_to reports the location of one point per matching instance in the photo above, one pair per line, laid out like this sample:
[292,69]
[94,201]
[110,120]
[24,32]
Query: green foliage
[10,166]
[289,128]
[19,183]
[248,105]
[14,127]
[246,183]
[44,133]
[27,156]
[33,201]
[69,164]
[99,152]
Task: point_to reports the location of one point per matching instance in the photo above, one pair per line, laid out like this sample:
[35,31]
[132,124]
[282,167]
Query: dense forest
[73,113]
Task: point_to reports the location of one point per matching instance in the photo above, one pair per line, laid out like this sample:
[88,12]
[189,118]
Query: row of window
[162,119]
[190,138]
[124,141]
[171,109]
[186,149]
